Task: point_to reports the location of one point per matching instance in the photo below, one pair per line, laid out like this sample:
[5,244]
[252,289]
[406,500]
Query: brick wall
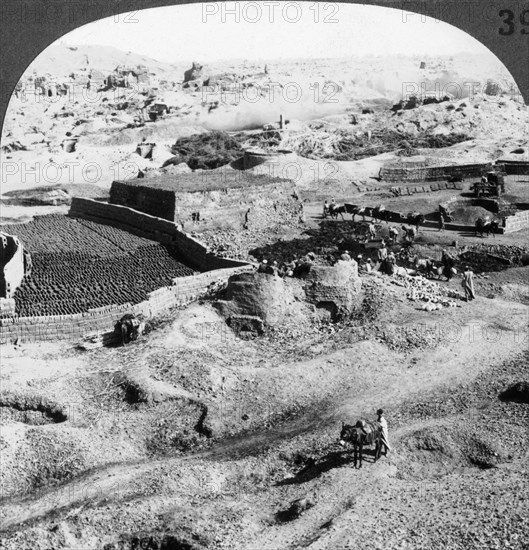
[431,173]
[429,188]
[183,290]
[150,227]
[516,222]
[156,202]
[13,271]
[516,168]
[226,205]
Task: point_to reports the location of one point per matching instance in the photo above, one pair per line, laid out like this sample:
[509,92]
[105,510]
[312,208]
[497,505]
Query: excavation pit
[30,410]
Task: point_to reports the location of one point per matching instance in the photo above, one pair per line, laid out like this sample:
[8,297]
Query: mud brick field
[79,265]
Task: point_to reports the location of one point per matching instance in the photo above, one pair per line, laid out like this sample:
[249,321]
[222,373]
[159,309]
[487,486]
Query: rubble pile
[421,289]
[493,257]
[324,242]
[205,152]
[344,144]
[265,225]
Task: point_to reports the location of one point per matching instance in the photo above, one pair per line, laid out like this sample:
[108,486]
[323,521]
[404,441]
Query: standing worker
[393,234]
[448,265]
[382,256]
[247,218]
[384,425]
[441,222]
[301,213]
[468,284]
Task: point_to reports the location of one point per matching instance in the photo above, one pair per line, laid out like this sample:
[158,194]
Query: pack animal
[363,433]
[486,226]
[129,328]
[380,213]
[355,210]
[427,267]
[416,219]
[335,211]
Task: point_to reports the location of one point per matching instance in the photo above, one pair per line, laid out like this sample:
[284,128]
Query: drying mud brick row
[181,291]
[78,266]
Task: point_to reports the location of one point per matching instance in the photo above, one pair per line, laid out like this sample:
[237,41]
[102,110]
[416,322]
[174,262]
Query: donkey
[335,210]
[416,219]
[380,213]
[129,328]
[485,226]
[357,210]
[363,433]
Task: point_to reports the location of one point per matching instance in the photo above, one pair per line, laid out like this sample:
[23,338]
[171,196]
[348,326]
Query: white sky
[210,31]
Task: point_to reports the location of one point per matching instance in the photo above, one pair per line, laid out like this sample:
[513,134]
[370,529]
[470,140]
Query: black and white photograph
[264,275]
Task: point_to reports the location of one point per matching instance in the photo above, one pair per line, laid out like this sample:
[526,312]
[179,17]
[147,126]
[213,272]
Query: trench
[30,411]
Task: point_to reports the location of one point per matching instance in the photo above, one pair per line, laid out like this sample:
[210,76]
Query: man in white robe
[384,425]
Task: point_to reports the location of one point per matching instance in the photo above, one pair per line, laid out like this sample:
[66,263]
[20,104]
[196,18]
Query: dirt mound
[139,387]
[445,446]
[273,300]
[254,301]
[205,152]
[469,214]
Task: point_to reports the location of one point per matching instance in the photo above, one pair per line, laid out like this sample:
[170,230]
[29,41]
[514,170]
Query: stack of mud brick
[439,186]
[517,222]
[183,290]
[425,173]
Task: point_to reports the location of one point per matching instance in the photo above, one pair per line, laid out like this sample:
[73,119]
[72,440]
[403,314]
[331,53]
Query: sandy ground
[344,384]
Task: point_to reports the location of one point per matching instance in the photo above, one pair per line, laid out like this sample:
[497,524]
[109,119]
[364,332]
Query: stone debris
[423,290]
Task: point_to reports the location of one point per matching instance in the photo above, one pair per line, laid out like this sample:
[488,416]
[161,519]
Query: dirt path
[313,213]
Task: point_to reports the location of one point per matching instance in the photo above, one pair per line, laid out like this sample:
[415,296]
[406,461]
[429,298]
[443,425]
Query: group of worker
[295,268]
[393,233]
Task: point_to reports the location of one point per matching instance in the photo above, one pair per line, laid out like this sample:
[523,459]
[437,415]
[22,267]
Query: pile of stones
[422,290]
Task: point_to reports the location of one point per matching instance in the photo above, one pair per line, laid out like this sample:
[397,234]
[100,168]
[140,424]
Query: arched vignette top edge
[502,26]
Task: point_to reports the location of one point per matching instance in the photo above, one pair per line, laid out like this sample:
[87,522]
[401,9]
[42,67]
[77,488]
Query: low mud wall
[422,173]
[516,222]
[150,227]
[515,167]
[183,290]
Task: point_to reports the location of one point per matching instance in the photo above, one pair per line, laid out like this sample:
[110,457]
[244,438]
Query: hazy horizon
[344,57]
[201,34]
